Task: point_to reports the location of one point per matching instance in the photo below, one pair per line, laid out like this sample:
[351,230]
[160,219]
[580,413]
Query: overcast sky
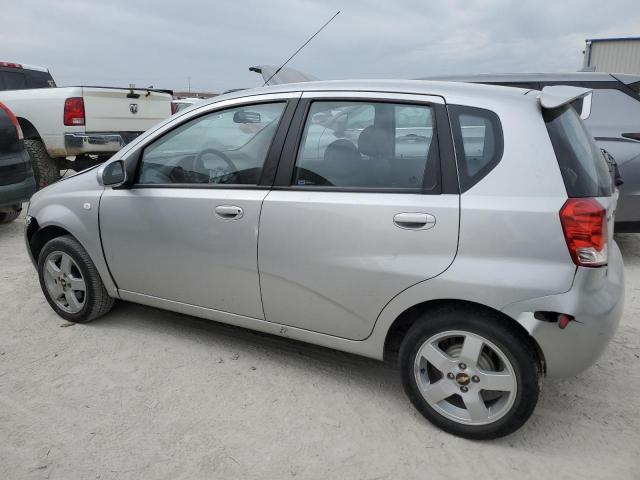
[161,43]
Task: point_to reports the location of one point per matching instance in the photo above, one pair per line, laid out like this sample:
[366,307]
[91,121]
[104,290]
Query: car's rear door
[349,226]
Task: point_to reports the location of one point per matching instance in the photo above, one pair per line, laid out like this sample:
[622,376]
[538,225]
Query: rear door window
[477,135]
[367,145]
[584,169]
[14,79]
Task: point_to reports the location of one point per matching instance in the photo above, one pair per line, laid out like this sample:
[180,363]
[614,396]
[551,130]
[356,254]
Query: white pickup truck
[76,127]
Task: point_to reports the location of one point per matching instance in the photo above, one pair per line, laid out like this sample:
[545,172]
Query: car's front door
[349,226]
[187,229]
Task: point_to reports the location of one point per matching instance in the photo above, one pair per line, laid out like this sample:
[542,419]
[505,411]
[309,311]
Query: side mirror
[243,116]
[113,174]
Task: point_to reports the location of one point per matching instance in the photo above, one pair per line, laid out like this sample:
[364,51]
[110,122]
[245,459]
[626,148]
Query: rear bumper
[16,193]
[79,143]
[595,300]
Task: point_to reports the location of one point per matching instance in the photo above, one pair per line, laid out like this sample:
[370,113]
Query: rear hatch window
[584,169]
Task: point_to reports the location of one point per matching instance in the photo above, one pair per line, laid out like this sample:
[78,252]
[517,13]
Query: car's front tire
[470,372]
[70,281]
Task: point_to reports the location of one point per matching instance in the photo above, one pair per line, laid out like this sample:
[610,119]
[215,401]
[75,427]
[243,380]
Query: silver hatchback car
[464,230]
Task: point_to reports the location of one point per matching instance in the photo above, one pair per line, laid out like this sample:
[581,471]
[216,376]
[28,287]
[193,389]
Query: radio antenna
[303,45]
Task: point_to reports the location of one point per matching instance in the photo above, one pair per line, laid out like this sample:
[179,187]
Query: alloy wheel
[64,281]
[465,377]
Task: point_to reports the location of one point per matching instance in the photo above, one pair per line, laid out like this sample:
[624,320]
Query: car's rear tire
[7,217]
[70,281]
[44,167]
[470,372]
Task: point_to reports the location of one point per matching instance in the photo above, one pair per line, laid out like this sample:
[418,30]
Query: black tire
[511,341]
[8,217]
[97,301]
[44,167]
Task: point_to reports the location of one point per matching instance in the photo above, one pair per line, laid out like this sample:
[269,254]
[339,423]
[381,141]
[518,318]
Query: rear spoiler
[558,95]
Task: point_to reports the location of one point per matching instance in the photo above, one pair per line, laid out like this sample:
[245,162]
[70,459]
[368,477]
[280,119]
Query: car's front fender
[73,205]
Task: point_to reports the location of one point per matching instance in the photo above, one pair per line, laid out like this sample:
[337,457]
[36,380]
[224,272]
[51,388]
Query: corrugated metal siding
[622,56]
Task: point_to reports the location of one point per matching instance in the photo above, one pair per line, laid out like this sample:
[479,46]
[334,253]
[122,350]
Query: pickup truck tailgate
[123,110]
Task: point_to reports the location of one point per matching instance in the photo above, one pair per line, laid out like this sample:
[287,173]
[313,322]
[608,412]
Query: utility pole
[189,81]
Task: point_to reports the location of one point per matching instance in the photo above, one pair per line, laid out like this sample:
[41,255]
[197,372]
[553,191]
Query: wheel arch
[401,325]
[29,131]
[38,237]
[55,220]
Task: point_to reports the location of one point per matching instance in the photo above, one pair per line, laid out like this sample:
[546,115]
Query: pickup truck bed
[85,122]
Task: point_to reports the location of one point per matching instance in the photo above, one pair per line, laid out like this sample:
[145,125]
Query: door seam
[264,313]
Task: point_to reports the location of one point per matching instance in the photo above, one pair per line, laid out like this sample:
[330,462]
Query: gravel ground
[144,393]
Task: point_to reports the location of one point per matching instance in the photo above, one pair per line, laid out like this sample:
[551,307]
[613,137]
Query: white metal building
[614,55]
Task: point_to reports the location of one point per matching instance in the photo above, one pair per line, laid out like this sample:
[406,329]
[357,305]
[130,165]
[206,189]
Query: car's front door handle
[229,212]
[414,221]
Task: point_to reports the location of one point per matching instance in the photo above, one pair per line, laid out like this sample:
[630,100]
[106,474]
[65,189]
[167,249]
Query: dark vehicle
[17,182]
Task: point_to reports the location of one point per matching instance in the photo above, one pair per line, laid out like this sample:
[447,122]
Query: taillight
[74,111]
[10,65]
[13,120]
[584,223]
[174,108]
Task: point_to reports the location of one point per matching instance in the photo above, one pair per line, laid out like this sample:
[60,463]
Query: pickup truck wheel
[44,167]
[70,281]
[7,217]
[470,372]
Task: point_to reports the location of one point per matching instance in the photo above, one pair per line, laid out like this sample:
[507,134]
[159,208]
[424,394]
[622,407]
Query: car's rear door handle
[229,212]
[414,221]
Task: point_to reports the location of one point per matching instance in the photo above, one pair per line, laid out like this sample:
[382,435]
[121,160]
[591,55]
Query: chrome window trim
[364,95]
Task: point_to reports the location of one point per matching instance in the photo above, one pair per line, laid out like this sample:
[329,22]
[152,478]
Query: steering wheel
[199,163]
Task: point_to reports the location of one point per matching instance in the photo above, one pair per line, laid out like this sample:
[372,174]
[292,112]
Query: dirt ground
[143,393]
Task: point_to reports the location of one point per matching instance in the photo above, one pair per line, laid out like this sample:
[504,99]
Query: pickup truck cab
[86,123]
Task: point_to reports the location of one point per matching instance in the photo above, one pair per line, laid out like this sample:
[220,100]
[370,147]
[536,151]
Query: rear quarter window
[37,79]
[583,167]
[13,79]
[478,139]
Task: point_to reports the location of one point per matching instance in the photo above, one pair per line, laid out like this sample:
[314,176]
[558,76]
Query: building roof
[613,39]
